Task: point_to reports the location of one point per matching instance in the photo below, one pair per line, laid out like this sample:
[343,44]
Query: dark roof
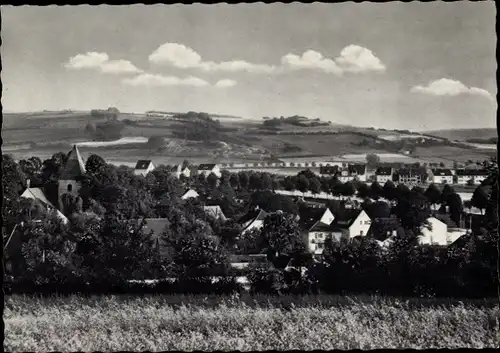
[309,216]
[356,169]
[345,218]
[321,227]
[443,172]
[383,171]
[74,166]
[412,171]
[142,164]
[206,166]
[331,169]
[446,219]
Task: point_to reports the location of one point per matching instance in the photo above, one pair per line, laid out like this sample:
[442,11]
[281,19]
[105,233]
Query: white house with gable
[143,167]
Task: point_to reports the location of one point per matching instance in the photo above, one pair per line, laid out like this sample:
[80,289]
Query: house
[208,169]
[215,212]
[190,193]
[314,224]
[473,176]
[412,175]
[252,220]
[441,176]
[178,170]
[350,223]
[357,171]
[436,234]
[72,171]
[38,195]
[143,167]
[328,170]
[310,215]
[353,171]
[383,174]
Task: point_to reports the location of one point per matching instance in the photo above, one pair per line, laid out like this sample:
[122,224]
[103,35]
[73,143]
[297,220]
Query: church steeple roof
[74,166]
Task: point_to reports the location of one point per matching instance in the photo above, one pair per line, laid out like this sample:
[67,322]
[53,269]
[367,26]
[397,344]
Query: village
[316,221]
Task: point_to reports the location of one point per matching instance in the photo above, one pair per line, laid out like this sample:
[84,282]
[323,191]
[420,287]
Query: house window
[367,222]
[320,235]
[320,246]
[361,222]
[360,232]
[70,188]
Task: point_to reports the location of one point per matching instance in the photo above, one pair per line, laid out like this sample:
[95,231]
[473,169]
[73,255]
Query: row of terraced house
[344,171]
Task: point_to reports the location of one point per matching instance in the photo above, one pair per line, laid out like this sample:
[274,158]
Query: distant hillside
[464,134]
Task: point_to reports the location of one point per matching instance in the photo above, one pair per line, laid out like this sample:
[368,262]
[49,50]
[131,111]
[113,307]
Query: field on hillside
[464,134]
[45,133]
[157,323]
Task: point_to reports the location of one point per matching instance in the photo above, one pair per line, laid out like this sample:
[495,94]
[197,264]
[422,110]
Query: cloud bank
[180,56]
[152,80]
[353,58]
[155,80]
[449,87]
[100,61]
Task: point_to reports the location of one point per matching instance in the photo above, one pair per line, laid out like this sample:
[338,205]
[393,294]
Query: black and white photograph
[250,177]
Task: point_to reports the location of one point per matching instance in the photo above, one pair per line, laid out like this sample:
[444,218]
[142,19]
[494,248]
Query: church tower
[70,173]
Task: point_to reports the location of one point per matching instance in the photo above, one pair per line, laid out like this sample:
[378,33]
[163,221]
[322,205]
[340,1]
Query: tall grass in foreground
[111,323]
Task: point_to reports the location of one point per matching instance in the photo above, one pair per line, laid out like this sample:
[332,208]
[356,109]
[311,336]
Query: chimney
[28,183]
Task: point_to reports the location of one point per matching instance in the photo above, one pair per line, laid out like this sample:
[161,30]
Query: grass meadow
[168,322]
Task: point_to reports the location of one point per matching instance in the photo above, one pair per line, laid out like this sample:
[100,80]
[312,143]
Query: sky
[417,66]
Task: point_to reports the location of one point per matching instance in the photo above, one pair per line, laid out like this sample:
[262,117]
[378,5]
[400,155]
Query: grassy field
[111,323]
[29,134]
[464,134]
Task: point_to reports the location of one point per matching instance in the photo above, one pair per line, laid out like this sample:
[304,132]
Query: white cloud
[160,80]
[354,58]
[90,60]
[100,61]
[448,87]
[177,55]
[119,66]
[310,60]
[183,57]
[225,83]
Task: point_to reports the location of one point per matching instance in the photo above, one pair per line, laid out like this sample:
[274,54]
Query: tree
[302,183]
[335,186]
[348,189]
[363,191]
[389,190]
[433,194]
[314,185]
[266,181]
[234,180]
[212,180]
[156,142]
[194,252]
[456,208]
[376,191]
[281,235]
[372,160]
[446,193]
[71,204]
[32,169]
[94,164]
[413,210]
[480,198]
[244,179]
